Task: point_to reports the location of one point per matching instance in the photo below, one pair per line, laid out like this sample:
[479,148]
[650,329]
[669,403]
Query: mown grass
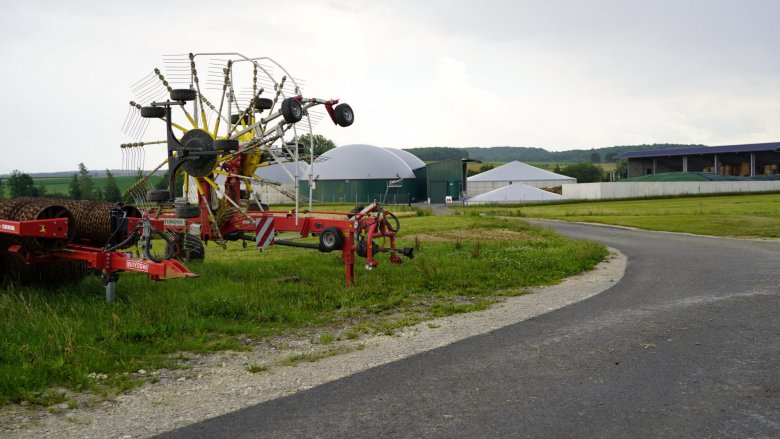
[725,215]
[58,336]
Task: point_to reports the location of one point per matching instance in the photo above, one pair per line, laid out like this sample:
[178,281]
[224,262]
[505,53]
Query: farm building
[361,174]
[751,160]
[278,182]
[515,193]
[365,173]
[515,172]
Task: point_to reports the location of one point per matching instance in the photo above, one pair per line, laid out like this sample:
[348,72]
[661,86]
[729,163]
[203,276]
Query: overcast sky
[552,74]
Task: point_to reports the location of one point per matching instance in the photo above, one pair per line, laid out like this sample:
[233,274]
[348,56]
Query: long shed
[515,172]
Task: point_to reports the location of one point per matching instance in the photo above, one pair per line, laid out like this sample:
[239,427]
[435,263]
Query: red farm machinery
[215,146]
[47,241]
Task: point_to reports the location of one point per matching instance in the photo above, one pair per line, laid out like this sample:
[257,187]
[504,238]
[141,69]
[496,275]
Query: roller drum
[92,219]
[26,209]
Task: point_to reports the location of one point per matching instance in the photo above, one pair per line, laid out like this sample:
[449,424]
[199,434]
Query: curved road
[686,345]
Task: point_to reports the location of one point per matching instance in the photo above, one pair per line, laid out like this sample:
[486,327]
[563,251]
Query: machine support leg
[109,280]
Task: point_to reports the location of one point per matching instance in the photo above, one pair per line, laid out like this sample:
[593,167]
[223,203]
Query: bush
[584,172]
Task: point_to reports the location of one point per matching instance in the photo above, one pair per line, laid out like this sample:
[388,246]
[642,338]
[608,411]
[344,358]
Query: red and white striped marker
[265,232]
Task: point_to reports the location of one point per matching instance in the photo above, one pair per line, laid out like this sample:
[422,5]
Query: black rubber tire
[331,239]
[152,112]
[183,94]
[187,211]
[225,145]
[292,110]
[158,195]
[252,206]
[344,115]
[263,104]
[193,248]
[235,120]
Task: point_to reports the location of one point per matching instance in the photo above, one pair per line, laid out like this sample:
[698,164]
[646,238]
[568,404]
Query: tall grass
[59,336]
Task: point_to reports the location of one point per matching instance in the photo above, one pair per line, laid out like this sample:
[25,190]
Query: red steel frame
[44,228]
[109,262]
[284,221]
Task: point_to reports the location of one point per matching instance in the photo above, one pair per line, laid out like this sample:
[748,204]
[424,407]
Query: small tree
[21,185]
[621,171]
[87,186]
[595,158]
[321,144]
[584,172]
[111,189]
[74,188]
[2,188]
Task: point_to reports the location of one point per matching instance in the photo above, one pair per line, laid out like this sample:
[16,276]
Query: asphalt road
[686,345]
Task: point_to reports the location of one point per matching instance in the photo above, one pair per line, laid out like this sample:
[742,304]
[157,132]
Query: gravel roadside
[219,383]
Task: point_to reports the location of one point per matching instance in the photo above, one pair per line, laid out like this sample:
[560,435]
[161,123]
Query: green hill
[526,154]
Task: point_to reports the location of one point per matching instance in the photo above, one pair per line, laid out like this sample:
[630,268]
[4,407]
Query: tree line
[81,186]
[584,172]
[525,154]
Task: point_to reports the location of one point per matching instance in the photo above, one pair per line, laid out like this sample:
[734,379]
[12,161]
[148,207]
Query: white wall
[605,191]
[475,188]
[268,194]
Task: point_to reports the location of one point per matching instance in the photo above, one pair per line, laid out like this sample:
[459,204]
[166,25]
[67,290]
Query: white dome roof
[411,160]
[276,172]
[518,171]
[360,162]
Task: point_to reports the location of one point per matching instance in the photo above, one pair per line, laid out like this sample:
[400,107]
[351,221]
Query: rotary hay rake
[215,147]
[47,241]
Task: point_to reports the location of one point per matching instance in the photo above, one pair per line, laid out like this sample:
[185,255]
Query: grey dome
[360,162]
[411,160]
[276,173]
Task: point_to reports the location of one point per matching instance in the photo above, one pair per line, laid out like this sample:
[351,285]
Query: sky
[552,74]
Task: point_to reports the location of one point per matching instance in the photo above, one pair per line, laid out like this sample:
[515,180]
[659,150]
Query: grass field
[59,185]
[66,336]
[729,215]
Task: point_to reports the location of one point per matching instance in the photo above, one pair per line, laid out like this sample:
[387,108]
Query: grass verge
[727,215]
[66,335]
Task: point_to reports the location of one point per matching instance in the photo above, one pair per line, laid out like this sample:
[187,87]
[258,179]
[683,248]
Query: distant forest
[524,154]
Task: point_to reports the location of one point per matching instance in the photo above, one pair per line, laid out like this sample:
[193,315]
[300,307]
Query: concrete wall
[480,187]
[605,191]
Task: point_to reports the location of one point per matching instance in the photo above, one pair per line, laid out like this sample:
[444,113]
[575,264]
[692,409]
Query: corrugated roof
[515,193]
[360,162]
[517,171]
[699,150]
